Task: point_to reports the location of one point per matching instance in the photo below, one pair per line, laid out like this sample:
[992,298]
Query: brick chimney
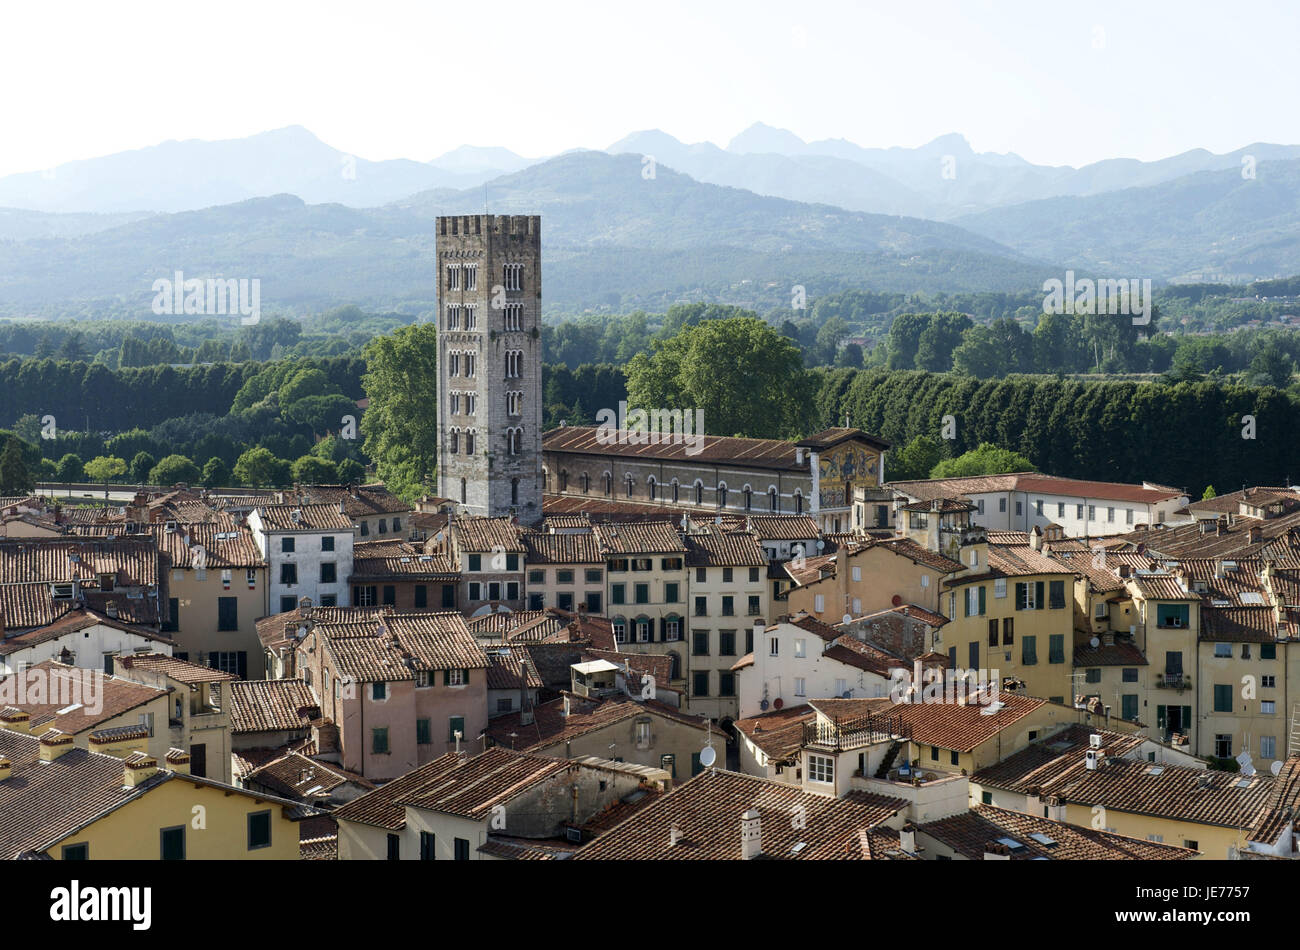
[137,768]
[178,761]
[54,743]
[996,851]
[15,719]
[751,835]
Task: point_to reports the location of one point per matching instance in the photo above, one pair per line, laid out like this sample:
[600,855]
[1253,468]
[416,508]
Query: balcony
[842,735]
[1178,681]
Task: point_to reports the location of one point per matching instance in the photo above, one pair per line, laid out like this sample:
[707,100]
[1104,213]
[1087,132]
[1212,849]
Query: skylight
[1043,839]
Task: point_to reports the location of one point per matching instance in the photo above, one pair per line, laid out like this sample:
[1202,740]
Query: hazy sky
[1058,83]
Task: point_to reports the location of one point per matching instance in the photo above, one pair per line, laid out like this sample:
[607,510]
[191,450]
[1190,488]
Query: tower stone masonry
[490,364]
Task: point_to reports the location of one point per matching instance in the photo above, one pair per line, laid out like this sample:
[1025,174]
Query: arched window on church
[749,498]
[469,441]
[699,493]
[798,502]
[722,494]
[676,491]
[609,484]
[651,488]
[586,484]
[453,441]
[629,486]
[564,480]
[772,499]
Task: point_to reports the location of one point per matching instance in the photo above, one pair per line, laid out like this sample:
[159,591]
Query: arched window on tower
[651,488]
[469,441]
[676,491]
[453,441]
[798,502]
[699,493]
[722,494]
[629,486]
[514,491]
[772,499]
[749,498]
[464,491]
[586,484]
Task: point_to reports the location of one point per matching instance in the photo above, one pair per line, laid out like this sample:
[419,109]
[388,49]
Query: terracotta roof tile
[1041,838]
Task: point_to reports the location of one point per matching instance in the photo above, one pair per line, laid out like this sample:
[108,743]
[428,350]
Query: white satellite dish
[820,544]
[1248,771]
[708,756]
[1094,643]
[847,618]
[1276,767]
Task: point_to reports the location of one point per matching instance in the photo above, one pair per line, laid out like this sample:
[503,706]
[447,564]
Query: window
[1130,674]
[428,846]
[421,595]
[1268,651]
[671,593]
[821,768]
[1268,707]
[800,648]
[379,740]
[593,575]
[700,641]
[1222,698]
[993,633]
[701,684]
[172,843]
[1223,649]
[368,595]
[819,603]
[286,545]
[286,604]
[728,606]
[288,574]
[227,613]
[726,683]
[1008,631]
[618,594]
[772,646]
[259,830]
[1129,706]
[1092,675]
[327,542]
[1056,594]
[620,630]
[379,691]
[1268,747]
[394,847]
[1268,682]
[328,574]
[1002,505]
[462,849]
[454,678]
[642,593]
[1028,650]
[799,686]
[76,852]
[999,585]
[1223,745]
[1056,648]
[726,643]
[455,724]
[754,601]
[422,733]
[1172,615]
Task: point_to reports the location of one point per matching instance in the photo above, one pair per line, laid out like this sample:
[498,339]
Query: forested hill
[611,238]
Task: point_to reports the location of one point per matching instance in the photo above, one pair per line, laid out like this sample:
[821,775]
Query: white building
[1021,501]
[82,638]
[308,551]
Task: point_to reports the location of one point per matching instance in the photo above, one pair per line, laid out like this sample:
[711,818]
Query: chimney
[1256,534]
[751,835]
[907,838]
[567,711]
[994,851]
[1055,809]
[1125,570]
[15,719]
[759,629]
[137,768]
[54,743]
[120,741]
[6,768]
[1036,538]
[178,761]
[1218,567]
[936,504]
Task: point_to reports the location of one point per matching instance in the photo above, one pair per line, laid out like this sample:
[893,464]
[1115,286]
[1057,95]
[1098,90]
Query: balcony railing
[854,733]
[1178,681]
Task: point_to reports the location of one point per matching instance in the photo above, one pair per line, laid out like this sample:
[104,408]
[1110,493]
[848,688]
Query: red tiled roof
[271,705]
[550,726]
[970,832]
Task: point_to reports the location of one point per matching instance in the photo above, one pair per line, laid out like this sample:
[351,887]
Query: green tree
[744,376]
[215,474]
[986,459]
[350,470]
[141,466]
[70,469]
[400,426]
[935,346]
[15,476]
[313,470]
[1208,493]
[175,470]
[1270,367]
[916,459]
[259,468]
[105,468]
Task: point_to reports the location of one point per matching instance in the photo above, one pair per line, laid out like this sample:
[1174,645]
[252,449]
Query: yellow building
[864,578]
[83,805]
[1012,610]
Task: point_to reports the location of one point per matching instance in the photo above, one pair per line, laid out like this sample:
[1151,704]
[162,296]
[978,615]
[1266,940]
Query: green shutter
[464,677]
[446,677]
[1162,717]
[1038,595]
[981,600]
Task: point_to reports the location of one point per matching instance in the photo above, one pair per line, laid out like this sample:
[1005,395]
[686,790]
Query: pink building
[399,686]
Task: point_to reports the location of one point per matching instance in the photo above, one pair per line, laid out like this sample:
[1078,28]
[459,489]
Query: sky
[1057,83]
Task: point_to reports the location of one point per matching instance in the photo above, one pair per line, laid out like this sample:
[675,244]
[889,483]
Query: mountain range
[644,222]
